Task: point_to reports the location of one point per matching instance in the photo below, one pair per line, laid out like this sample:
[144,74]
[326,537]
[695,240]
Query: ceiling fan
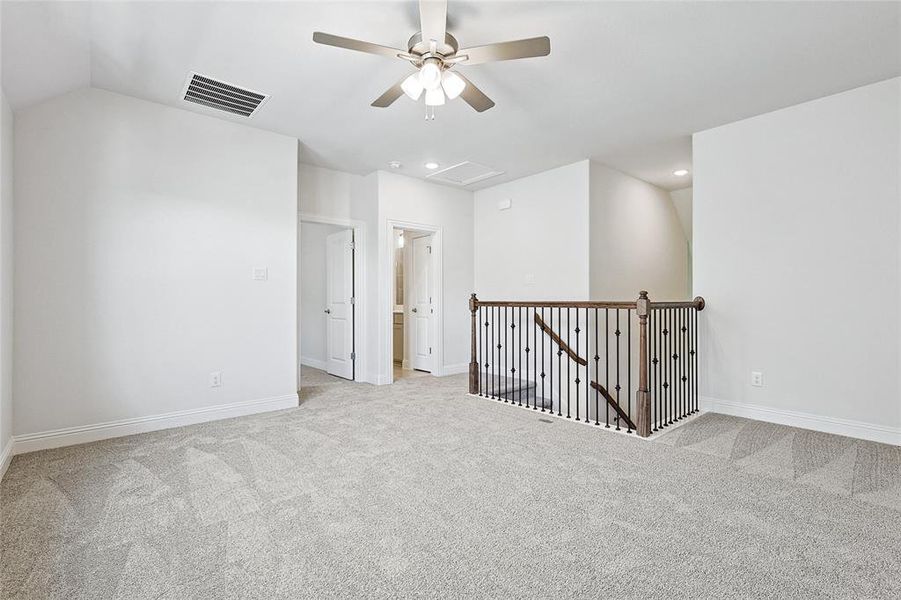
[435,52]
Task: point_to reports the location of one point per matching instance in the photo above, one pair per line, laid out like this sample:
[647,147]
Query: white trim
[6,456]
[69,436]
[386,297]
[453,369]
[846,427]
[363,366]
[313,362]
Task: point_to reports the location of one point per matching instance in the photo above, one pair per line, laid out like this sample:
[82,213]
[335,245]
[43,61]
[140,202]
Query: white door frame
[362,361]
[386,301]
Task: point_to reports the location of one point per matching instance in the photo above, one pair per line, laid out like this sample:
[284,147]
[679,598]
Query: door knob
[328,311]
[415,309]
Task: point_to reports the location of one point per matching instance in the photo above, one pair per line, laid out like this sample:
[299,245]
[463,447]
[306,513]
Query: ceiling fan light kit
[434,52]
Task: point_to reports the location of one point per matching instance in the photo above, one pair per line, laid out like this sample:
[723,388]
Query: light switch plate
[216,379]
[504,204]
[260,274]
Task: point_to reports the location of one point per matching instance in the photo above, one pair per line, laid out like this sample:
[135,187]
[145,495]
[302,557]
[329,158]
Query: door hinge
[430,349]
[430,249]
[353,300]
[353,245]
[353,356]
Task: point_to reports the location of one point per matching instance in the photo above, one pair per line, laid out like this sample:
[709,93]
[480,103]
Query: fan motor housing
[416,45]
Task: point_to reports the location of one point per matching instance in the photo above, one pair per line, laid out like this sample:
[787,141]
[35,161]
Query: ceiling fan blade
[433,20]
[390,95]
[528,48]
[475,97]
[352,44]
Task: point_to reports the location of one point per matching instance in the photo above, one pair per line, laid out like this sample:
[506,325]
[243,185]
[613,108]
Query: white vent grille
[220,95]
[464,173]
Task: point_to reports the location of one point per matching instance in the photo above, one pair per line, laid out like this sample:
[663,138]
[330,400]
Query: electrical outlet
[215,378]
[756,378]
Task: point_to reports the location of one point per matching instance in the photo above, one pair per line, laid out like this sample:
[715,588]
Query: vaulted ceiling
[625,84]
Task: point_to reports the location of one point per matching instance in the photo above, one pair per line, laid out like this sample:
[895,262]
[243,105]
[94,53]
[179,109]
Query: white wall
[6,277]
[636,241]
[312,292]
[538,248]
[796,249]
[415,202]
[682,202]
[137,229]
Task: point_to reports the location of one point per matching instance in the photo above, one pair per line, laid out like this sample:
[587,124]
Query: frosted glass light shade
[412,87]
[453,84]
[430,75]
[434,97]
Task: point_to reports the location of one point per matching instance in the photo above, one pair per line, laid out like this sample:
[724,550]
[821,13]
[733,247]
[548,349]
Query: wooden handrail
[563,345]
[697,303]
[616,407]
[553,304]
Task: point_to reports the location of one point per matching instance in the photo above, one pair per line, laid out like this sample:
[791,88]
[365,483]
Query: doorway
[414,303]
[327,312]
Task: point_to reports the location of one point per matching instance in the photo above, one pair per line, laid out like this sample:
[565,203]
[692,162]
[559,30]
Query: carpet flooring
[417,490]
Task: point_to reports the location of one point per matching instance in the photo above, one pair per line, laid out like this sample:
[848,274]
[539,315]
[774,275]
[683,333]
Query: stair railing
[577,359]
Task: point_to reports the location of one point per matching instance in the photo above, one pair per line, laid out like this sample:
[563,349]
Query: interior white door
[339,283]
[421,310]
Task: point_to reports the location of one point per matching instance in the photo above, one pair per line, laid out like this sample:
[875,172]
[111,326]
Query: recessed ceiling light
[431,166]
[395,164]
[680,172]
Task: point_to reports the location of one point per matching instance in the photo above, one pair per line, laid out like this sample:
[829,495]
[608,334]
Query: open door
[422,313]
[339,312]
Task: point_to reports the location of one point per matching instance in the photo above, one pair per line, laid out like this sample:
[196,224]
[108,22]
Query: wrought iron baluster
[506,358]
[559,368]
[618,386]
[587,364]
[597,369]
[528,383]
[543,363]
[535,356]
[664,366]
[683,313]
[485,351]
[607,360]
[651,358]
[519,351]
[677,379]
[629,369]
[577,364]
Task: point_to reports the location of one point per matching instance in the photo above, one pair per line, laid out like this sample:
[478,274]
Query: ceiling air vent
[212,93]
[464,173]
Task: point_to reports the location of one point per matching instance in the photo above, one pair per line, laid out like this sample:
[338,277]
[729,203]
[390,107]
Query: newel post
[643,396]
[473,359]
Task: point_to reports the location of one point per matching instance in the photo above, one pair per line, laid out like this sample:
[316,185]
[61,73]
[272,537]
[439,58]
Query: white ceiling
[626,83]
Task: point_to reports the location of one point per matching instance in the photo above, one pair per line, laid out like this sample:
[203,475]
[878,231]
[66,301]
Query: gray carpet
[418,490]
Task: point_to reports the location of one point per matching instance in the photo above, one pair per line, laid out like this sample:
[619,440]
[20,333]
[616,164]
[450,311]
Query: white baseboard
[313,362]
[5,456]
[846,427]
[69,436]
[455,369]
